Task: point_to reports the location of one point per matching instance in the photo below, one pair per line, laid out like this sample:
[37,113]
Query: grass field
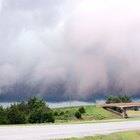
[92,113]
[130,135]
[132,113]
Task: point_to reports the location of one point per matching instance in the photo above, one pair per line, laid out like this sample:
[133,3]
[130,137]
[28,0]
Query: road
[45,132]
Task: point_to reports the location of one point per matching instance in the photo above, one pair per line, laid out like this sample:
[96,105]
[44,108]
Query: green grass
[130,135]
[92,113]
[94,121]
[97,113]
[132,113]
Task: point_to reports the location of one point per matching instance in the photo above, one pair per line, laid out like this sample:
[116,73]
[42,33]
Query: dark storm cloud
[62,47]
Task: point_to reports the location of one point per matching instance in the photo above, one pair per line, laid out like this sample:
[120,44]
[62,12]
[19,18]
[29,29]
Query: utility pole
[70,108]
[70,100]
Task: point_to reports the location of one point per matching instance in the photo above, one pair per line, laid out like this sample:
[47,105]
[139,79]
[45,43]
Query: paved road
[45,132]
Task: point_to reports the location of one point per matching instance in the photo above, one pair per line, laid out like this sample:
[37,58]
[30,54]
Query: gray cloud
[87,46]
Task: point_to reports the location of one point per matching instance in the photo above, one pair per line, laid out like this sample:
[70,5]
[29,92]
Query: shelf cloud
[69,47]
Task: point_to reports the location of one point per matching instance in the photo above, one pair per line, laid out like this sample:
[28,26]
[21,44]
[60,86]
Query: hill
[92,112]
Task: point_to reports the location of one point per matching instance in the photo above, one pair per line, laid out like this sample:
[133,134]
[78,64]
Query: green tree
[56,113]
[82,110]
[36,116]
[41,115]
[23,107]
[125,99]
[78,115]
[3,116]
[118,99]
[62,113]
[14,116]
[113,99]
[35,102]
[33,111]
[49,117]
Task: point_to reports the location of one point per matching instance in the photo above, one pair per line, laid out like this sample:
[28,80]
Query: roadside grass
[63,122]
[132,113]
[129,135]
[95,121]
[93,112]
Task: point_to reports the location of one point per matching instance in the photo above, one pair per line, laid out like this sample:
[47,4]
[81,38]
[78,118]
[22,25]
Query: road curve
[46,132]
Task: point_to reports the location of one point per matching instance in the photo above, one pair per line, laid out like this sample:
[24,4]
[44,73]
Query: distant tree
[118,99]
[56,113]
[136,108]
[82,110]
[35,102]
[125,99]
[62,113]
[113,99]
[67,111]
[78,115]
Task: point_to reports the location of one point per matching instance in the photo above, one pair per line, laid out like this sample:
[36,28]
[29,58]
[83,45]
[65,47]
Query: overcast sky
[85,47]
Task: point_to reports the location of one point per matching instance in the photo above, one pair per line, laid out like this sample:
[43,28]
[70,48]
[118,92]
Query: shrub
[41,115]
[82,110]
[66,116]
[67,111]
[62,113]
[49,117]
[78,115]
[56,113]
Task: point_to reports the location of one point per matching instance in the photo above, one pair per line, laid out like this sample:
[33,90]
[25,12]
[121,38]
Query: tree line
[118,99]
[35,110]
[32,111]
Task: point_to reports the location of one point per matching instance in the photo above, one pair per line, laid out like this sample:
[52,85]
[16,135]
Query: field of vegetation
[133,113]
[91,112]
[35,110]
[130,135]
